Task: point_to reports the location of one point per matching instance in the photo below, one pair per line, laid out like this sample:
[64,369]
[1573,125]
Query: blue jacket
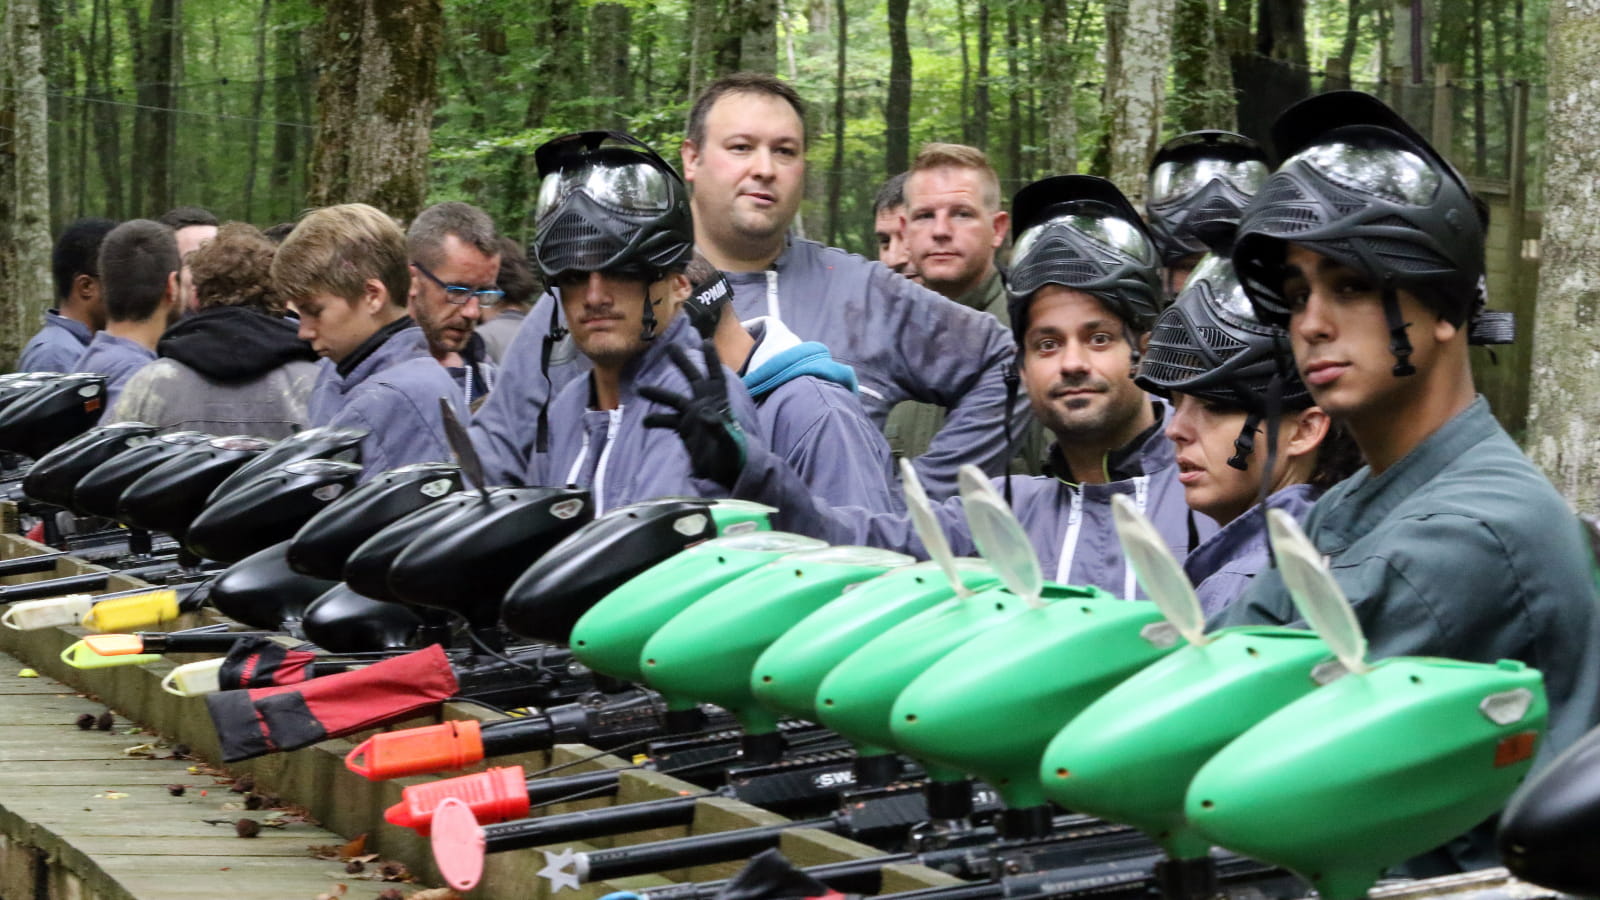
[1223,567]
[394,394]
[903,341]
[57,346]
[611,452]
[810,417]
[1070,525]
[117,358]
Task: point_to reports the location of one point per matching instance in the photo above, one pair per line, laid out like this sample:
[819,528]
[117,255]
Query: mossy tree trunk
[24,178]
[375,101]
[1139,36]
[1563,435]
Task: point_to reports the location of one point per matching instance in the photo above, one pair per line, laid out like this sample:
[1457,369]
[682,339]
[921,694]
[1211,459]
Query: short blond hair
[337,248]
[960,156]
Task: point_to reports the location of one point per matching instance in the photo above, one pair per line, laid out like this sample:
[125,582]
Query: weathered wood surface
[346,804]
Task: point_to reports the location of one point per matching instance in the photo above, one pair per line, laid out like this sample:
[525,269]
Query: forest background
[258,110]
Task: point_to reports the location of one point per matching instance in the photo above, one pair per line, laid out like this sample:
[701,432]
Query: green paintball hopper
[736,623]
[790,672]
[787,676]
[1129,757]
[611,635]
[857,696]
[1386,762]
[1373,769]
[989,707]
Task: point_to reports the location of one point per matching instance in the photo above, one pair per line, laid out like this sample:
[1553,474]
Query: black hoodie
[233,343]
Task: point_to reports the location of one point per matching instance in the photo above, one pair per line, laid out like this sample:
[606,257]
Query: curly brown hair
[235,269]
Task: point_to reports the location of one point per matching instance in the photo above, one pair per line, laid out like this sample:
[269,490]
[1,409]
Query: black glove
[703,420]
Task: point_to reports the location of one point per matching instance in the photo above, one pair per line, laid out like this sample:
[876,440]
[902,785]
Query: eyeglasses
[459,294]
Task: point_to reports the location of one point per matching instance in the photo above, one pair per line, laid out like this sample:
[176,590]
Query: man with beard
[455,258]
[1085,288]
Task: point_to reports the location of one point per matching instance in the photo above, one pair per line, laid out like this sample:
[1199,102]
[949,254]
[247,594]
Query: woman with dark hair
[235,366]
[1242,424]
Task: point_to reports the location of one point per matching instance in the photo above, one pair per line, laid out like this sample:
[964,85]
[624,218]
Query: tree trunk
[1565,401]
[610,33]
[758,42]
[1347,47]
[965,104]
[156,68]
[840,119]
[1136,91]
[702,26]
[1013,97]
[375,102]
[1201,77]
[107,122]
[1480,100]
[285,109]
[981,107]
[1059,69]
[258,95]
[24,178]
[897,109]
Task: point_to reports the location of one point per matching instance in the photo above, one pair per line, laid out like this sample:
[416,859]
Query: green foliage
[505,86]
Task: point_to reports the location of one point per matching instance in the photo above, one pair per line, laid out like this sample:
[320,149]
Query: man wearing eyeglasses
[455,259]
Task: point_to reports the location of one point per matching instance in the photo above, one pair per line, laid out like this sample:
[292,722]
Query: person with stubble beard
[455,261]
[1084,291]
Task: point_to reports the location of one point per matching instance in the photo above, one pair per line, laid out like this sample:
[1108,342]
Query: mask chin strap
[1399,342]
[1245,443]
[553,336]
[647,320]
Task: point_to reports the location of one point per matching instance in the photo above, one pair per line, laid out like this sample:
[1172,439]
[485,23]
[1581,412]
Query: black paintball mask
[1361,187]
[1211,344]
[607,203]
[1200,182]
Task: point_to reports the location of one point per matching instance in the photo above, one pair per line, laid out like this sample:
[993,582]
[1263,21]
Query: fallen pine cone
[244,784]
[253,801]
[85,721]
[247,828]
[105,721]
[176,790]
[355,867]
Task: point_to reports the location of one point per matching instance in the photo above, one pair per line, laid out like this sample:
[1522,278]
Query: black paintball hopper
[342,444]
[598,558]
[54,477]
[465,563]
[1547,833]
[323,545]
[367,569]
[170,496]
[53,414]
[100,491]
[269,509]
[19,385]
[263,592]
[343,621]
